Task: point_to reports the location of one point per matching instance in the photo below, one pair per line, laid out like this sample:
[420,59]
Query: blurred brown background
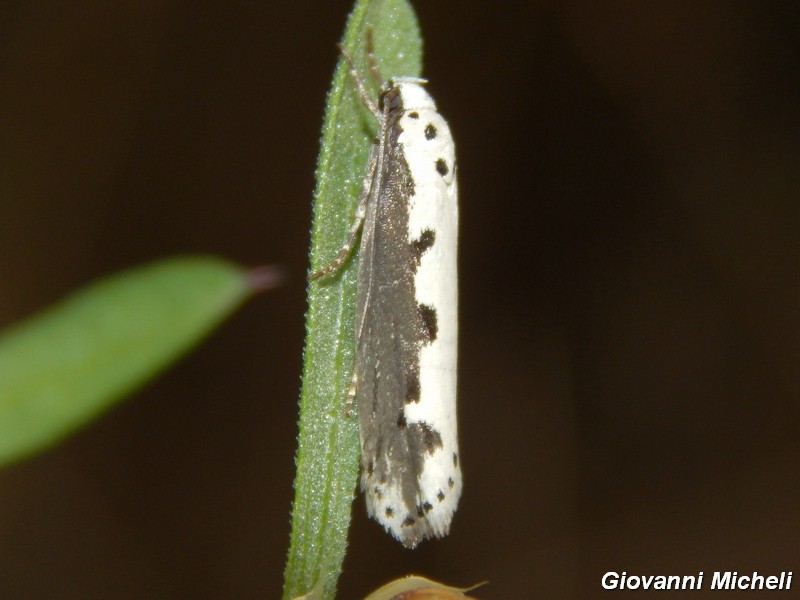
[631,283]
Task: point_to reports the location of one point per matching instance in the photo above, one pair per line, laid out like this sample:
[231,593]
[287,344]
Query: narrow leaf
[328,452]
[61,368]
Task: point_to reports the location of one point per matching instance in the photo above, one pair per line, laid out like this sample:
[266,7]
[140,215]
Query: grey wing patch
[392,327]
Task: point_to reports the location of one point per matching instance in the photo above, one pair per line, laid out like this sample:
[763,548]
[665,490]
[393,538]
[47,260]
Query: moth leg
[371,61]
[351,396]
[358,221]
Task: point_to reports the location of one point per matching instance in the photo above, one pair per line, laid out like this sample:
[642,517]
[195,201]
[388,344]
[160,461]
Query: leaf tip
[266,277]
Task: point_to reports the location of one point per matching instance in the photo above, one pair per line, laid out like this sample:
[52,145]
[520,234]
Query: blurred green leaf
[60,368]
[328,452]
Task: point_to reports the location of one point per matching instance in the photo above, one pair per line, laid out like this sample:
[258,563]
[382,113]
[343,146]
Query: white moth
[404,379]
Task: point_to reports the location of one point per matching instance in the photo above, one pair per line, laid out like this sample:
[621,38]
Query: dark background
[630,333]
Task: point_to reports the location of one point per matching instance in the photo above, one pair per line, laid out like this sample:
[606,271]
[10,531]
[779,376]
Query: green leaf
[328,452]
[61,368]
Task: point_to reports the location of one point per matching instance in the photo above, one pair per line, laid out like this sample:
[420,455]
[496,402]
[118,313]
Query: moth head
[406,93]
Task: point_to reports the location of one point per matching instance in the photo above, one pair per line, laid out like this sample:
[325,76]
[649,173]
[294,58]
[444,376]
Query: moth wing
[387,358]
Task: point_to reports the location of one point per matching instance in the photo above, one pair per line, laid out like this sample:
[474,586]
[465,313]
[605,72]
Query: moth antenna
[371,60]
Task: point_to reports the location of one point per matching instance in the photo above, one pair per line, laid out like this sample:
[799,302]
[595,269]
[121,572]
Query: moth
[404,377]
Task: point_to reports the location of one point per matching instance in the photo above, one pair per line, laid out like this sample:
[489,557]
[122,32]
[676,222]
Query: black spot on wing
[430,325]
[430,132]
[418,247]
[441,167]
[413,115]
[389,512]
[412,387]
[440,496]
[450,483]
[426,437]
[455,460]
[408,521]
